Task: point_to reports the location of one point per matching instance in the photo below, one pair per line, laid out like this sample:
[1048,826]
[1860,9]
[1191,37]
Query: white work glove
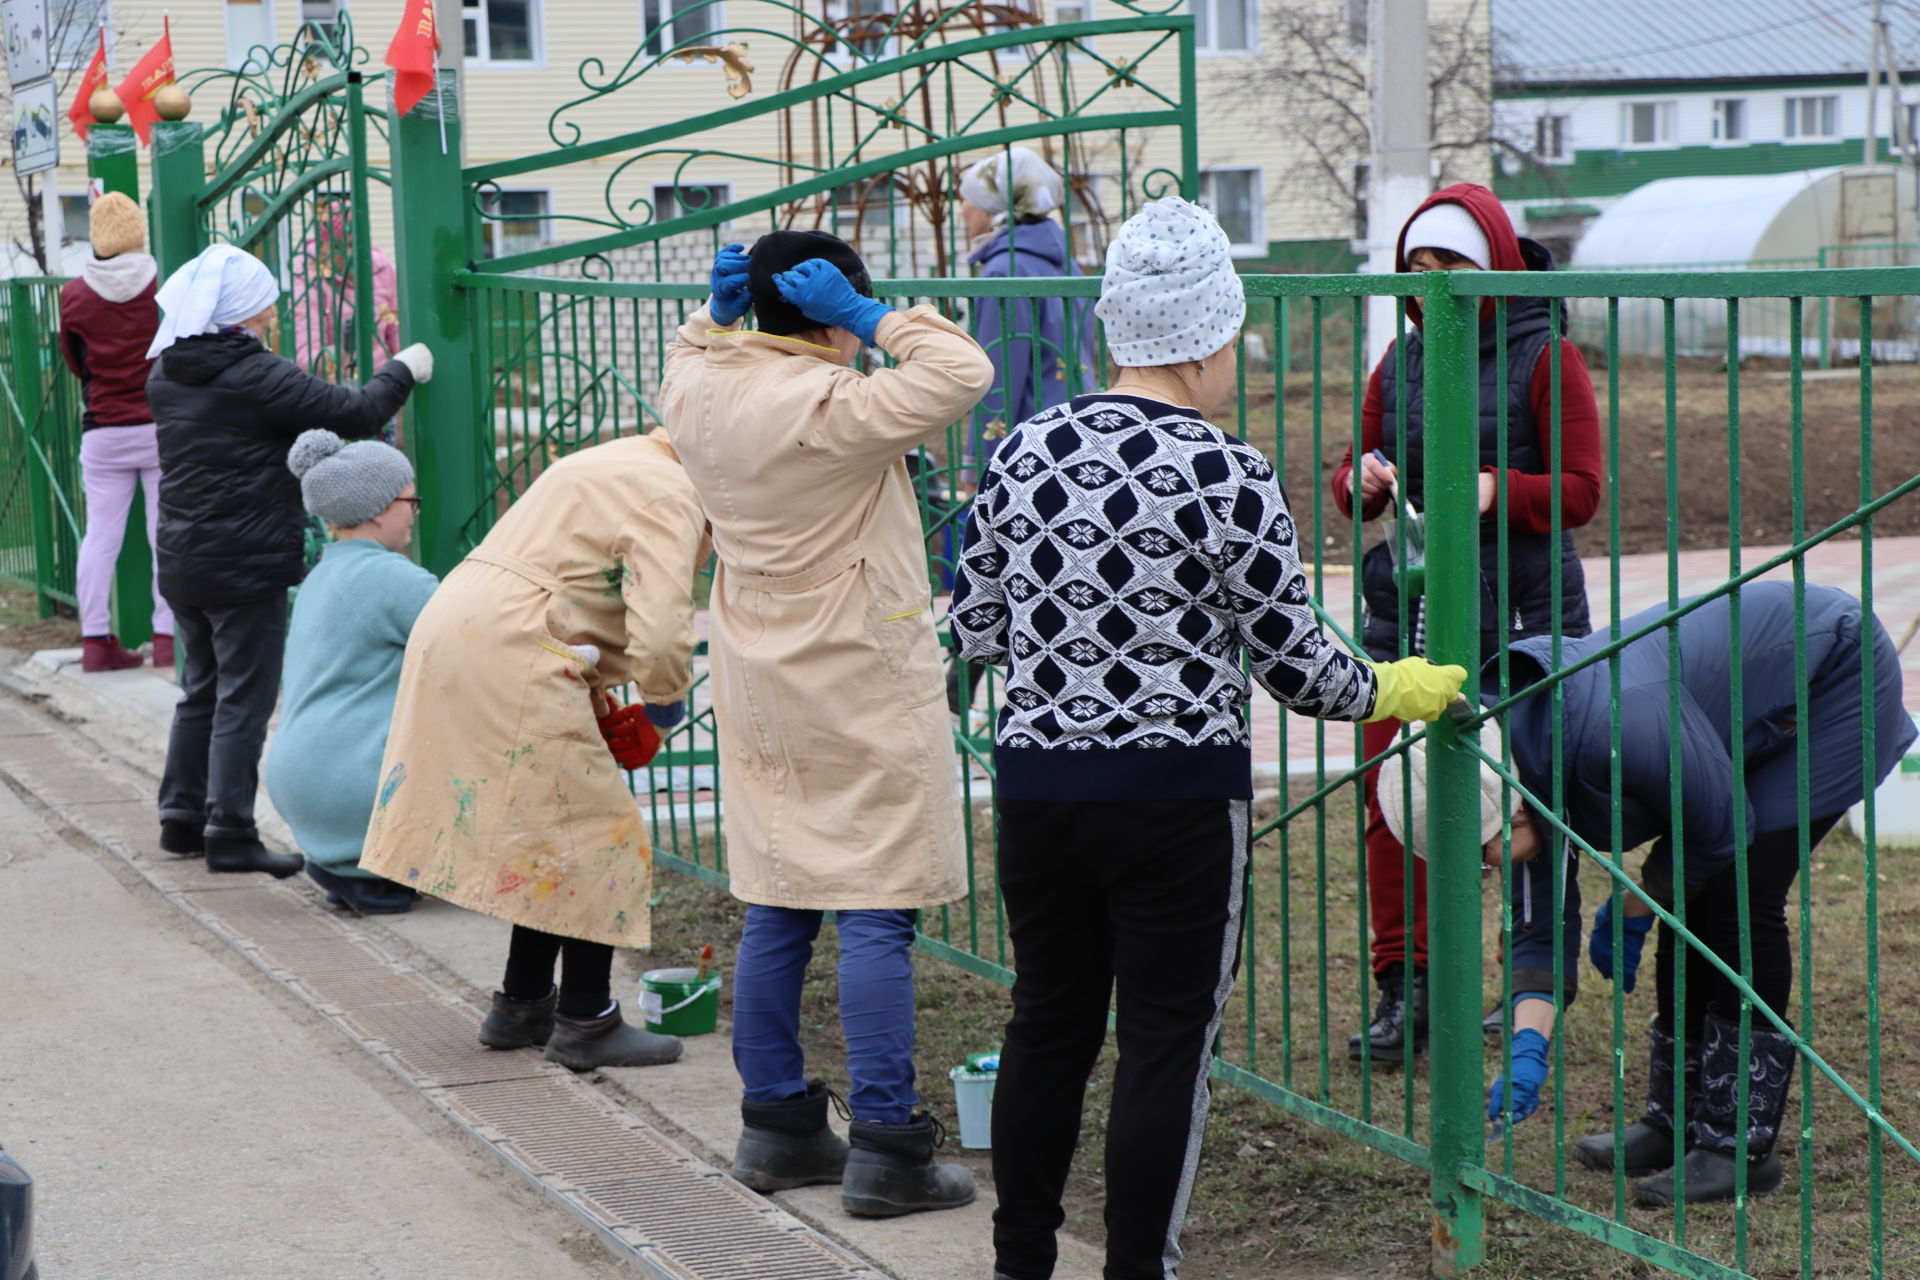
[419,361]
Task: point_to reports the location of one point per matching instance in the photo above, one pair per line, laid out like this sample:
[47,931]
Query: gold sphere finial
[106,106]
[172,103]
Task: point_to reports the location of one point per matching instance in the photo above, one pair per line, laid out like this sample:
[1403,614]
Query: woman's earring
[1202,365]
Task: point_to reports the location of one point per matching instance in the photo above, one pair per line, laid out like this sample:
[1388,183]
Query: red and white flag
[92,81]
[149,76]
[412,55]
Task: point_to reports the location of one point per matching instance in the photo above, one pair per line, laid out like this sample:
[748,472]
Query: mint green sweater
[348,635]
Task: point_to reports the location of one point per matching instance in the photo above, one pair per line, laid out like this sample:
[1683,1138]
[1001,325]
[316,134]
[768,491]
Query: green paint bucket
[679,1002]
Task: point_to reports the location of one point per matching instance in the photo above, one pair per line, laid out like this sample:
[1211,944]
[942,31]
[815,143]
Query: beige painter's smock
[497,792]
[838,774]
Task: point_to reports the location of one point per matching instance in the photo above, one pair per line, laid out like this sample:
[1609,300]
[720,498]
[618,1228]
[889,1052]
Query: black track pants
[1138,901]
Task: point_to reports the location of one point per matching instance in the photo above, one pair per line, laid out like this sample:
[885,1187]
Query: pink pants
[113,460]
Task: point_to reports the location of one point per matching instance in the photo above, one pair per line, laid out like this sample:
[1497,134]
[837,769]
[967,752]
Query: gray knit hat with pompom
[347,484]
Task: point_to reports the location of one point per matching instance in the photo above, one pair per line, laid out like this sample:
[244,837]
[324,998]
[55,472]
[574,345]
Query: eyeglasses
[413,502]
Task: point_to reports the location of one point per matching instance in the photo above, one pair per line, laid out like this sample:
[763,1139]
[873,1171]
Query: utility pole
[1399,168]
[1871,147]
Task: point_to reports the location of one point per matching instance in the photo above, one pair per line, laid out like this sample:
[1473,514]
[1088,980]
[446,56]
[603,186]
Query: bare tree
[71,26]
[1312,80]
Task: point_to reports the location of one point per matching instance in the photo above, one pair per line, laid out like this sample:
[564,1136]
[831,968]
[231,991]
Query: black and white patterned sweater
[1121,556]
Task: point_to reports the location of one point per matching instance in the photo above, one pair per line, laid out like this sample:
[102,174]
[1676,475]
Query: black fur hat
[779,251]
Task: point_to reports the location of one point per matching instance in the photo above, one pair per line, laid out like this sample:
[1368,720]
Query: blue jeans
[876,1007]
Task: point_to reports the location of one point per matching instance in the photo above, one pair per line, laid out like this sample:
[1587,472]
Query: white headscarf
[1171,294]
[1036,188]
[222,287]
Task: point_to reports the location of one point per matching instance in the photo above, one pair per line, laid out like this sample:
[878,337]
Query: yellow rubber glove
[1414,689]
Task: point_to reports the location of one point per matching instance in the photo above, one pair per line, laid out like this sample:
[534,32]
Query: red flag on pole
[412,55]
[149,75]
[91,82]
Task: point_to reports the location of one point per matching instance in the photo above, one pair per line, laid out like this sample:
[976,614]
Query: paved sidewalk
[331,961]
[181,1120]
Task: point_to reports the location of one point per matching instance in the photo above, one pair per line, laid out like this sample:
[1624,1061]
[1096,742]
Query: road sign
[36,132]
[29,55]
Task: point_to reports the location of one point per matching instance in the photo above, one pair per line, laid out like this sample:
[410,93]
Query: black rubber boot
[1647,1143]
[1387,1035]
[1709,1166]
[251,855]
[788,1144]
[518,1024]
[582,1044]
[891,1171]
[182,838]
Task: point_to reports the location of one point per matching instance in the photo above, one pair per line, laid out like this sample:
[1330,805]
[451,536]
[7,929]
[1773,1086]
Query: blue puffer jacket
[1768,727]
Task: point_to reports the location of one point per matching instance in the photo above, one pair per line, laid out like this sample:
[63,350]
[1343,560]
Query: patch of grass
[1282,1199]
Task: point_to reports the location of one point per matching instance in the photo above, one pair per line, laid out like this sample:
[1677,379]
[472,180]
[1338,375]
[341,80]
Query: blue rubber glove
[668,714]
[731,297]
[824,296]
[1529,1073]
[1632,940]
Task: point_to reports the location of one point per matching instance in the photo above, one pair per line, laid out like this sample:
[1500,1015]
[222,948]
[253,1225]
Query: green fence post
[179,178]
[30,388]
[1450,400]
[113,161]
[445,433]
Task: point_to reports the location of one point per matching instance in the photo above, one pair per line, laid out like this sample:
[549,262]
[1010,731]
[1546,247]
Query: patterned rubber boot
[1648,1142]
[1709,1166]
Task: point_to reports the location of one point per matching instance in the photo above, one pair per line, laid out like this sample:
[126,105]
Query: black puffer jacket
[232,525]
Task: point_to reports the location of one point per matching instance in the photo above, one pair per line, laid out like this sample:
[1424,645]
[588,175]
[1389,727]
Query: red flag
[149,75]
[92,82]
[415,49]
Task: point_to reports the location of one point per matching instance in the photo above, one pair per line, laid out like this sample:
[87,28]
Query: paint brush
[706,962]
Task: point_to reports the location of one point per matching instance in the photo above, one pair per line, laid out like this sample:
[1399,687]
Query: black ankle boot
[182,838]
[891,1171]
[582,1044]
[787,1144]
[1647,1143]
[1710,1163]
[518,1024]
[1387,1035]
[251,855]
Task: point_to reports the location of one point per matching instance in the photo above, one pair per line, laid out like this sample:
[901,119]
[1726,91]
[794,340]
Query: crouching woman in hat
[349,632]
[502,788]
[1699,858]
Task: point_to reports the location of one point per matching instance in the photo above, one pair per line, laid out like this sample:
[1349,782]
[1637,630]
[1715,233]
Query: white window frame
[679,210]
[84,50]
[1256,247]
[1563,150]
[1665,111]
[1206,48]
[1719,129]
[86,206]
[1826,105]
[493,230]
[236,57]
[841,218]
[838,9]
[716,16]
[476,10]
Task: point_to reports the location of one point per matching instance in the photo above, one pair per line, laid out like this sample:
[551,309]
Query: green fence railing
[40,493]
[574,362]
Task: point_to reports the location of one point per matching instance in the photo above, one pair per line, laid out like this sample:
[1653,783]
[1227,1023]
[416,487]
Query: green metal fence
[1301,991]
[39,446]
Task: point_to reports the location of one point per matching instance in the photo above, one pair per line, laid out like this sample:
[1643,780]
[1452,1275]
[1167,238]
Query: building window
[249,34]
[1813,117]
[672,23]
[1551,139]
[517,221]
[1234,196]
[674,200]
[501,31]
[1729,119]
[1647,124]
[75,221]
[75,37]
[861,205]
[864,22]
[1223,26]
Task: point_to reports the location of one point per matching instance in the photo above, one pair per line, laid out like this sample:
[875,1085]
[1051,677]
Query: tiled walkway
[1643,584]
